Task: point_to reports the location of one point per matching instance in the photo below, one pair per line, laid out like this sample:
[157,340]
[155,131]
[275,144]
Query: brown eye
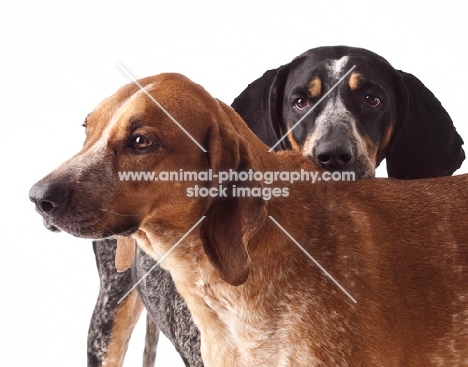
[141,142]
[372,101]
[301,103]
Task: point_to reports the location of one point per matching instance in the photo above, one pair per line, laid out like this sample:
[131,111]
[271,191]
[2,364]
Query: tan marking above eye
[356,80]
[315,87]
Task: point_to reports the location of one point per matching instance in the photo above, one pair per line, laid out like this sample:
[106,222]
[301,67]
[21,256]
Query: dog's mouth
[88,230]
[358,174]
[80,213]
[47,223]
[351,174]
[361,168]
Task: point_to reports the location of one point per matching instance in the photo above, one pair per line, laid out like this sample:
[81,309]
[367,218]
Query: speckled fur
[167,309]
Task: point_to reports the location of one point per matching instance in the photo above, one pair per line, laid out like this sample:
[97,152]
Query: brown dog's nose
[334,155]
[49,198]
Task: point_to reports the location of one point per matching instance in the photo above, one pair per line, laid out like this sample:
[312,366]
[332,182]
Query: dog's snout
[48,197]
[334,155]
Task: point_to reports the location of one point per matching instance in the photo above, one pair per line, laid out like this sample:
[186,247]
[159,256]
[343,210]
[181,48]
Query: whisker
[123,215]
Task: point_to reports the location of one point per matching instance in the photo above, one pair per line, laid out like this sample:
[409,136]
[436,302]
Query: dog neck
[236,322]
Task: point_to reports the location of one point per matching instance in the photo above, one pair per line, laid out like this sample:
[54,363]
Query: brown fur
[294,144]
[400,248]
[315,87]
[370,149]
[125,253]
[355,80]
[383,145]
[127,315]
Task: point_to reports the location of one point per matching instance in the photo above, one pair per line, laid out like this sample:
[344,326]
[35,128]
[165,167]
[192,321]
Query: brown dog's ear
[229,225]
[425,142]
[231,221]
[125,253]
[261,105]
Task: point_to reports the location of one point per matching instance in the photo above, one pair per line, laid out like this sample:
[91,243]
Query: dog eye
[141,142]
[372,101]
[301,103]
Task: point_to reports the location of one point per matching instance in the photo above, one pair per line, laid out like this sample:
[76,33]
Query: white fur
[336,67]
[96,152]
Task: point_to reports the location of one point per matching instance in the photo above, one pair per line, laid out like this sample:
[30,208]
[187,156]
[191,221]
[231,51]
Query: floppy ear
[229,225]
[125,253]
[261,105]
[231,221]
[425,142]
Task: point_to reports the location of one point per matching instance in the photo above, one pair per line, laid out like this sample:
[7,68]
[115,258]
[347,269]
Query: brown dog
[399,248]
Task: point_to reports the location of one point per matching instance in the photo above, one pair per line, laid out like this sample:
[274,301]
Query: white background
[58,60]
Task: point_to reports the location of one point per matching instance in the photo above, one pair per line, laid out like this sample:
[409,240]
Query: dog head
[168,125]
[352,124]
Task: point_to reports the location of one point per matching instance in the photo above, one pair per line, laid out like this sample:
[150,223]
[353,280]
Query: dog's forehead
[160,102]
[336,67]
[317,67]
[329,64]
[108,114]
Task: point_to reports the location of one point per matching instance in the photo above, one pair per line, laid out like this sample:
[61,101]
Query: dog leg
[112,323]
[151,342]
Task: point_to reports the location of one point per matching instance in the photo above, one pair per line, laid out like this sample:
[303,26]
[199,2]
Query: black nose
[334,155]
[49,198]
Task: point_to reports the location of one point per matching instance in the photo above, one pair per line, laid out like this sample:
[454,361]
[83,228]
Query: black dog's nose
[334,155]
[48,197]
